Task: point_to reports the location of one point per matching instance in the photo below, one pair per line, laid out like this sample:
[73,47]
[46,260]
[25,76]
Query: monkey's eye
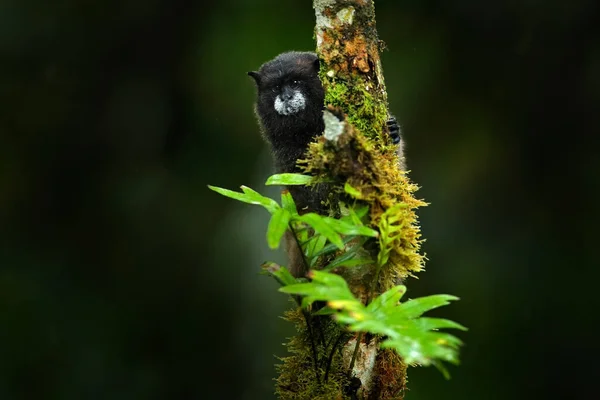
[296,82]
[275,89]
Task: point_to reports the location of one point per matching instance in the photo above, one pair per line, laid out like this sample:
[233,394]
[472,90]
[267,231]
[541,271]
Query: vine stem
[358,340]
[304,260]
[373,284]
[331,354]
[307,317]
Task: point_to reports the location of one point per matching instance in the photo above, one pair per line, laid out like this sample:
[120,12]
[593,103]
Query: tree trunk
[327,362]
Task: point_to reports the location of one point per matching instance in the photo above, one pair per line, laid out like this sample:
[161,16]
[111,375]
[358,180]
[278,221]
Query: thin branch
[331,354]
[304,261]
[351,367]
[308,318]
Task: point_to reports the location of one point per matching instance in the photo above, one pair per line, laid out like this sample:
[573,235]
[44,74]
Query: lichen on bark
[351,72]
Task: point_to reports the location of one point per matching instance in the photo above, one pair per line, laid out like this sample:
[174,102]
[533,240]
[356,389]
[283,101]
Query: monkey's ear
[256,76]
[316,65]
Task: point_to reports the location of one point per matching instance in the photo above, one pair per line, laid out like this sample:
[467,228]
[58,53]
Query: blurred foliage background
[123,277]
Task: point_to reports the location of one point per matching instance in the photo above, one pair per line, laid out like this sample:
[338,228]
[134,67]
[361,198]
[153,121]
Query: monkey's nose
[287,94]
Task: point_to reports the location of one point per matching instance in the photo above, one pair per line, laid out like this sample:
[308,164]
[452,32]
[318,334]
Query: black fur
[289,135]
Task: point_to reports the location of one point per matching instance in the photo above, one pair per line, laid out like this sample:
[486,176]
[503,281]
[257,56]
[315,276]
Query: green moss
[367,113]
[373,170]
[297,378]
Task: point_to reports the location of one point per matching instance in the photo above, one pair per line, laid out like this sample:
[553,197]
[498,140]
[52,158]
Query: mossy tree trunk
[355,151]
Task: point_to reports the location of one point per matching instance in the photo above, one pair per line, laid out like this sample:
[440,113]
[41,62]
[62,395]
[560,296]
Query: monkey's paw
[394,129]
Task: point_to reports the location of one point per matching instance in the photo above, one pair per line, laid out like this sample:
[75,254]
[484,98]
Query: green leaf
[387,299]
[268,203]
[428,324]
[315,245]
[310,291]
[348,259]
[288,203]
[422,347]
[390,225]
[324,287]
[300,230]
[355,216]
[289,179]
[280,273]
[305,289]
[319,224]
[354,262]
[331,280]
[330,248]
[277,227]
[249,196]
[416,307]
[361,211]
[441,368]
[413,350]
[352,191]
[372,325]
[346,228]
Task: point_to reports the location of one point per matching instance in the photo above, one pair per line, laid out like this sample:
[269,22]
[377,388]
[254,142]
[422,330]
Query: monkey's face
[289,99]
[289,88]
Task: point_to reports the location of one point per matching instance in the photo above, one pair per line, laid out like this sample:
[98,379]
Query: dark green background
[123,277]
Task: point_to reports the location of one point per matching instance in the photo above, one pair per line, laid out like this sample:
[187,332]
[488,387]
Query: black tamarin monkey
[289,107]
